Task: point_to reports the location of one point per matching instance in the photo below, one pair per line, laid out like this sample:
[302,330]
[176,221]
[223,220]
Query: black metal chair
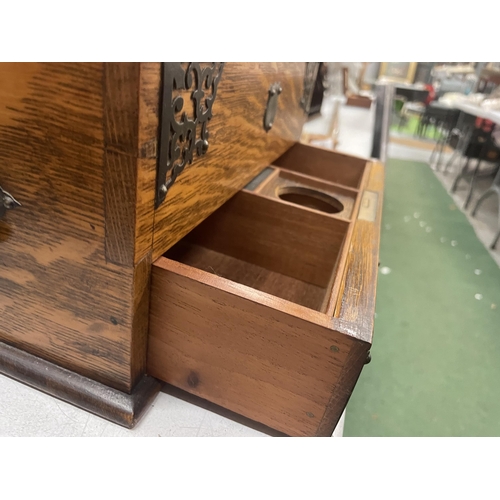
[479,145]
[445,120]
[412,108]
[494,189]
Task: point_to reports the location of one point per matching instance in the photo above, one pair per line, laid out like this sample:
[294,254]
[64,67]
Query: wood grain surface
[338,284]
[356,298]
[111,404]
[278,236]
[277,184]
[130,98]
[78,148]
[354,363]
[73,283]
[239,147]
[219,328]
[249,274]
[129,159]
[258,361]
[59,299]
[325,164]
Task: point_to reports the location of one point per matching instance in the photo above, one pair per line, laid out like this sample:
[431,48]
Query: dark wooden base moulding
[118,407]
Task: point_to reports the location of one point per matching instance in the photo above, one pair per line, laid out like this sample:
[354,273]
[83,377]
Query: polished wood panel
[56,298]
[121,118]
[287,181]
[355,302]
[120,408]
[227,325]
[251,358]
[78,148]
[341,394]
[249,274]
[119,207]
[269,311]
[131,96]
[141,285]
[130,126]
[149,108]
[149,102]
[284,238]
[73,284]
[239,147]
[330,307]
[328,165]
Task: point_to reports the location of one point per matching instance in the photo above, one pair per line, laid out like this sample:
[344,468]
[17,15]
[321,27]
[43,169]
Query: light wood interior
[246,273]
[323,164]
[265,309]
[307,191]
[279,248]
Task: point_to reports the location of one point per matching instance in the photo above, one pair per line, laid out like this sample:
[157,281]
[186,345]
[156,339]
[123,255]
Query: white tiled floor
[27,412]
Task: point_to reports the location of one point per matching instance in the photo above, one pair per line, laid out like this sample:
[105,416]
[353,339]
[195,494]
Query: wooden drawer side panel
[356,299]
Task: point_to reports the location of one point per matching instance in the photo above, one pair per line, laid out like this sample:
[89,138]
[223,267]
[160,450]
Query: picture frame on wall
[399,72]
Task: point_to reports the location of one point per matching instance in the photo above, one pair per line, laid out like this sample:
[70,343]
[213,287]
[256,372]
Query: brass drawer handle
[7,202]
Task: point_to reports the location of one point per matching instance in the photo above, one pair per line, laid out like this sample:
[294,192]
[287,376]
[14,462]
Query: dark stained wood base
[118,407]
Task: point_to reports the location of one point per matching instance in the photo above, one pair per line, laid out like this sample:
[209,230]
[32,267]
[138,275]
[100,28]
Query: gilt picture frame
[399,72]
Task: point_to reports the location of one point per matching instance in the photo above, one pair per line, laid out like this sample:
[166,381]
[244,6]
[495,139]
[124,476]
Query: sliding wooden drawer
[266,308]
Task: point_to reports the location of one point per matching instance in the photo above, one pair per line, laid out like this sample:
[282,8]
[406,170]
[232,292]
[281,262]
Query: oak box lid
[219,125]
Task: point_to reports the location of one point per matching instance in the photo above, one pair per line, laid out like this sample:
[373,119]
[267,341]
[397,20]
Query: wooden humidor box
[137,254]
[360,101]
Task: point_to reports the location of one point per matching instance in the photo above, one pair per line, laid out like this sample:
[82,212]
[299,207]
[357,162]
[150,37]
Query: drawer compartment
[269,246]
[256,309]
[328,165]
[309,192]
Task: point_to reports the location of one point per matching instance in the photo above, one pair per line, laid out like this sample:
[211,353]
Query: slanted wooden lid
[208,160]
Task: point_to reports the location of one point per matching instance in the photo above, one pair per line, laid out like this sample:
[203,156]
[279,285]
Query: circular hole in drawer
[310,198]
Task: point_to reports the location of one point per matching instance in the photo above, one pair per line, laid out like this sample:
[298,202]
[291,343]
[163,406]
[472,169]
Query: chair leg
[437,150]
[415,133]
[495,241]
[483,197]
[421,123]
[475,173]
[450,161]
[496,187]
[417,128]
[434,152]
[460,176]
[472,184]
[442,142]
[422,126]
[400,122]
